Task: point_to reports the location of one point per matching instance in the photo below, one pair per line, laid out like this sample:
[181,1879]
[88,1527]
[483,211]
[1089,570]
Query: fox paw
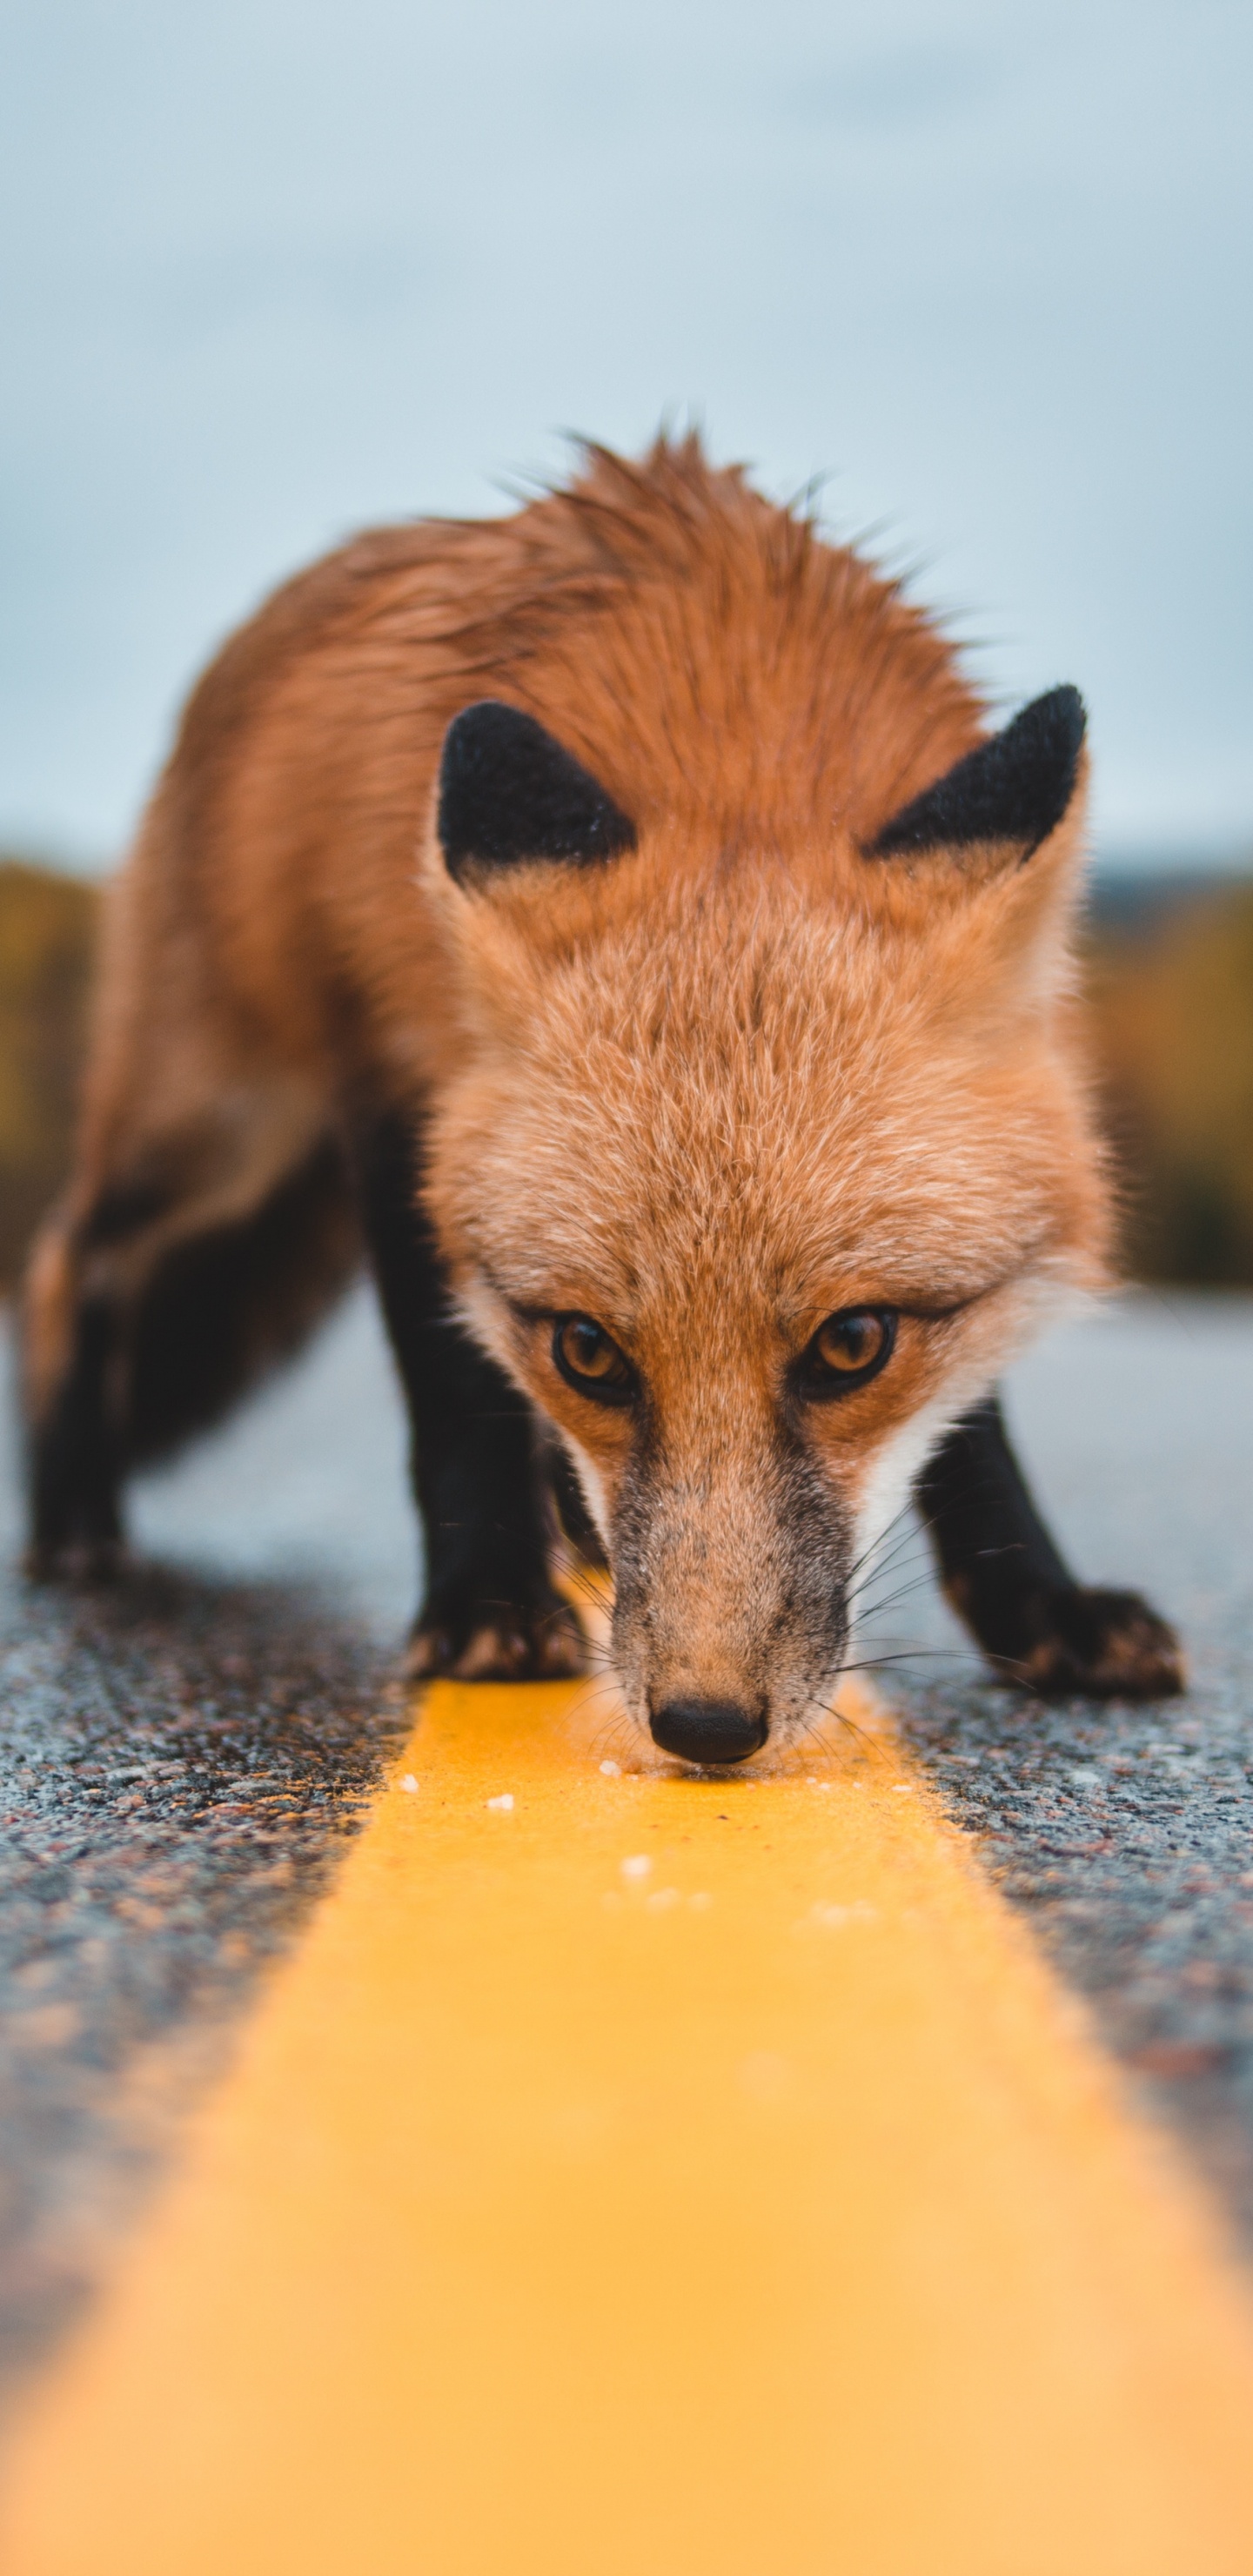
[466,1638]
[77,1560]
[1085,1644]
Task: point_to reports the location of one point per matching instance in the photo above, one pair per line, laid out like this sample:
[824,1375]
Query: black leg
[74,1465]
[491,1612]
[1017,1596]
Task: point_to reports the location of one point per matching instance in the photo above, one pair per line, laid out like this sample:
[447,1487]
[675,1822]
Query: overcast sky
[272,269]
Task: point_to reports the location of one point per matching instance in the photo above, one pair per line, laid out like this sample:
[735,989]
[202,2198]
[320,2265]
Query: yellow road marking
[656,2174]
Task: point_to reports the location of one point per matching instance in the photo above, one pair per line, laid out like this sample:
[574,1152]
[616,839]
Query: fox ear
[508,792]
[1014,789]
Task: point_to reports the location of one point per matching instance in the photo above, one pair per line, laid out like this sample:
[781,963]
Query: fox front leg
[491,1611]
[1016,1594]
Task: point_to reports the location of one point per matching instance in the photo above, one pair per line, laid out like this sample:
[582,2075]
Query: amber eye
[847,1350]
[591,1362]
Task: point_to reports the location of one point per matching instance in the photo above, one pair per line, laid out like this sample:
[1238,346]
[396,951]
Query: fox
[618,923]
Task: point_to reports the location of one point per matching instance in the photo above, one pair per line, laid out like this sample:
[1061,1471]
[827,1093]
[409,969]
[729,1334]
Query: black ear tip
[1015,787]
[486,728]
[1058,719]
[508,791]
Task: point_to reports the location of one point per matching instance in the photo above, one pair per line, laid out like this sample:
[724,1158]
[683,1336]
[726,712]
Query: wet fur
[735,1075]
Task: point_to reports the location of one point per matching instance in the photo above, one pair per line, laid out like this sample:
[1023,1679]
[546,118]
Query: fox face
[755,1165]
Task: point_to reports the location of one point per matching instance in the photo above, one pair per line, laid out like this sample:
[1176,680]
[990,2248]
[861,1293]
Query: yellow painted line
[759,2211]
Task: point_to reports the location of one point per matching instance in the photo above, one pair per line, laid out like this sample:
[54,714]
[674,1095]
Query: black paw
[1080,1644]
[466,1635]
[76,1560]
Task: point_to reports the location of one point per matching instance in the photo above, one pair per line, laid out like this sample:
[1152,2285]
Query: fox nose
[708,1730]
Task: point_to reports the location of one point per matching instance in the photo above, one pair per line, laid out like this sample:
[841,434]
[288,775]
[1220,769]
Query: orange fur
[708,1093]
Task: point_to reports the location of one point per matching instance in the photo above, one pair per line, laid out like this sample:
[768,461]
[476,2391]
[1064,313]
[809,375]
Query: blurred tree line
[1171,986]
[47,937]
[1170,972]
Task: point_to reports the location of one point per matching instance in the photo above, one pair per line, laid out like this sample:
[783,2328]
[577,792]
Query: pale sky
[273,269]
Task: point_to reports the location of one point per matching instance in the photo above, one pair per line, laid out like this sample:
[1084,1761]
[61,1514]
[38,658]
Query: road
[183,1757]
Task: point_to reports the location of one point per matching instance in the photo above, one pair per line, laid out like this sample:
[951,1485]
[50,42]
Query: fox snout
[730,1616]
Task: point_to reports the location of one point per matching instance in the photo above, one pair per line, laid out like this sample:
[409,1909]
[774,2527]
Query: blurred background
[270,272]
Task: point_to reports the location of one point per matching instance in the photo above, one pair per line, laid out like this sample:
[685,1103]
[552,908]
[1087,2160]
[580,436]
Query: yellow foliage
[1173,1007]
[47,929]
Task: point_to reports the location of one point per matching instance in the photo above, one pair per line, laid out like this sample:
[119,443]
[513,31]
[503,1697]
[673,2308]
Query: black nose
[708,1730]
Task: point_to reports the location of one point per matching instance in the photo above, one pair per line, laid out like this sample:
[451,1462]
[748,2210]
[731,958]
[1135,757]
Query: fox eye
[847,1350]
[591,1362]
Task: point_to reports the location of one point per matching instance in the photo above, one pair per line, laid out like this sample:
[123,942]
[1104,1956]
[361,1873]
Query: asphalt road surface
[182,1756]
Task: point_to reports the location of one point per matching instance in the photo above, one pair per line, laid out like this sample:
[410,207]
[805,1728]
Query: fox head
[759,1158]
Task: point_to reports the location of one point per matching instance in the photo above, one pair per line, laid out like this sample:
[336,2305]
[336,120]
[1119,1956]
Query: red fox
[618,920]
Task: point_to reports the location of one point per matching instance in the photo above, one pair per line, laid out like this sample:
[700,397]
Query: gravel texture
[181,1758]
[1124,1833]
